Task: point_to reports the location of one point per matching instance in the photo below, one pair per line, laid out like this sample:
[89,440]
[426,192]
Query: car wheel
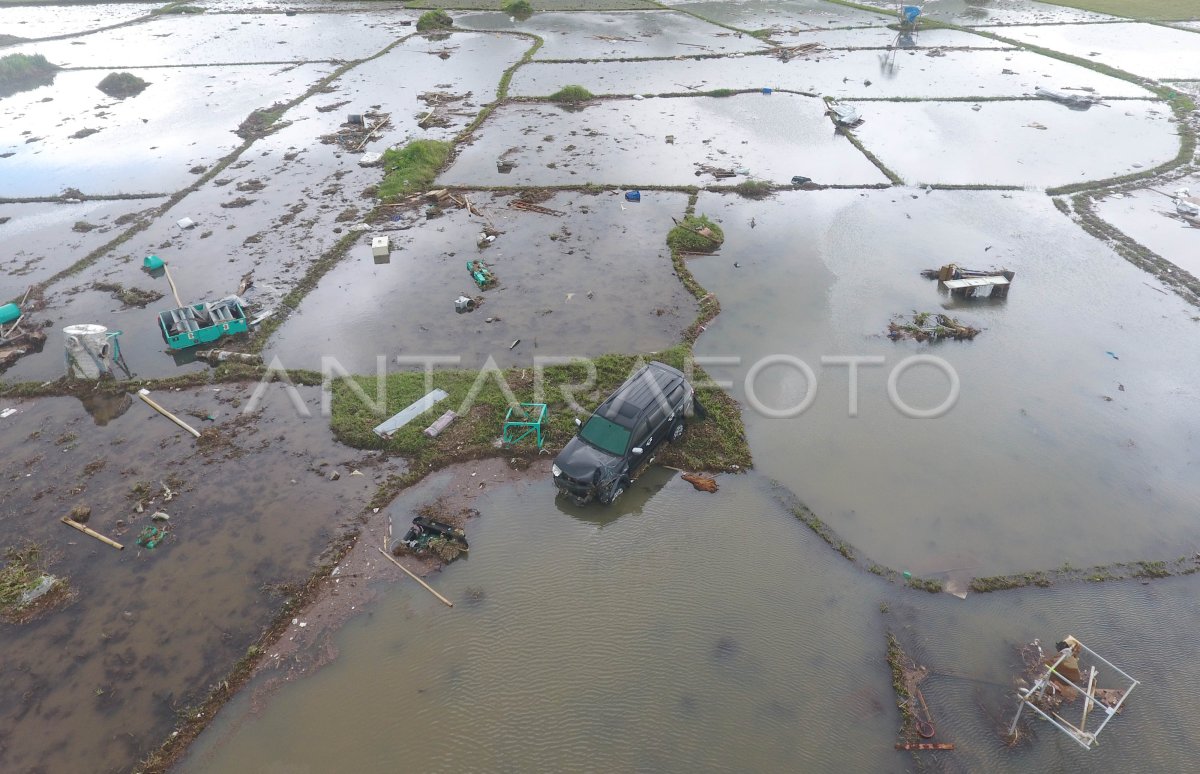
[614,491]
[677,431]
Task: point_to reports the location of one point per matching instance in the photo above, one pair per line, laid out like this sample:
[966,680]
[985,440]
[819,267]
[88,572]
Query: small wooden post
[88,531]
[414,577]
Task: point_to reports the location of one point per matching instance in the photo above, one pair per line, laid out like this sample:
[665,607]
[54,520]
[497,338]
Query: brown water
[96,685]
[680,633]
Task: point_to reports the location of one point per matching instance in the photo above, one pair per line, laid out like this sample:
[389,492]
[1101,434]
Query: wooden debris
[410,574]
[89,531]
[784,54]
[144,395]
[924,746]
[701,483]
[521,204]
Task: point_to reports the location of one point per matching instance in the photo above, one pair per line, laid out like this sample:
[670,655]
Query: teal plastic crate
[203,323]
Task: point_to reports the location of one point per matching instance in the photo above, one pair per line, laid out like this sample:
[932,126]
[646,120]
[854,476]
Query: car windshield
[605,435]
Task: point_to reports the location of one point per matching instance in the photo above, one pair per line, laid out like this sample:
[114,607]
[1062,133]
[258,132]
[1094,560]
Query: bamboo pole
[171,282]
[143,394]
[88,531]
[429,588]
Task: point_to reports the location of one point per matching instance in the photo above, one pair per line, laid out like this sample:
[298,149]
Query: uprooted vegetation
[434,21]
[129,297]
[518,9]
[753,189]
[122,85]
[412,168]
[930,326]
[695,234]
[25,586]
[21,72]
[572,94]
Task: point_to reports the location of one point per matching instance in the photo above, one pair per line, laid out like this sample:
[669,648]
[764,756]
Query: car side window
[640,433]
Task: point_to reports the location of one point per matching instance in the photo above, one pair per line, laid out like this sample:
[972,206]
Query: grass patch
[518,9]
[412,168]
[1155,10]
[177,8]
[21,72]
[122,85]
[572,93]
[754,189]
[25,587]
[695,234]
[434,21]
[716,443]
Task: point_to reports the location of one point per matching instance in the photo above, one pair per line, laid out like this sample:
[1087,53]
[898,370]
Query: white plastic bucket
[89,354]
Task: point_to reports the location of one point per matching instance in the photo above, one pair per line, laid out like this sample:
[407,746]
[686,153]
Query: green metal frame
[532,414]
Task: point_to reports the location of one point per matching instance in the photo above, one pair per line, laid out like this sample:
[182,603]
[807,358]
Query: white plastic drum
[89,354]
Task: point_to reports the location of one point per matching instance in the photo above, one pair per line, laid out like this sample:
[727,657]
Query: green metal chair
[529,418]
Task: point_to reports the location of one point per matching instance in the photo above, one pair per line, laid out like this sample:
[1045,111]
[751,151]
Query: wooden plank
[975,282]
[414,577]
[93,533]
[924,746]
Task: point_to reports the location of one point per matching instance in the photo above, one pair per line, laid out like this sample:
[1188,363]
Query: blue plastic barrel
[8,313]
[910,13]
[767,90]
[633,196]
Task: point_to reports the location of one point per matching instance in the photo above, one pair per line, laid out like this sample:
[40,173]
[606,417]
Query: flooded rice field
[1149,50]
[1073,422]
[665,141]
[596,280]
[618,35]
[1150,218]
[780,14]
[97,684]
[674,631]
[663,659]
[874,74]
[1043,144]
[63,143]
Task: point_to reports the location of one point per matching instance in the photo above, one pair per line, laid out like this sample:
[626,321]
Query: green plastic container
[152,263]
[8,313]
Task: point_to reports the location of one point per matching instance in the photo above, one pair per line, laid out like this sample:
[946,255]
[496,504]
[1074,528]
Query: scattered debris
[481,274]
[429,536]
[1073,101]
[358,130]
[144,394]
[963,283]
[1056,680]
[410,574]
[80,514]
[789,52]
[185,223]
[929,326]
[521,204]
[440,424]
[411,412]
[701,483]
[463,304]
[91,532]
[151,536]
[844,115]
[224,355]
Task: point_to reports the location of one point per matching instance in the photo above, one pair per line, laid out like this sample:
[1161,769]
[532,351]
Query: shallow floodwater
[1150,218]
[780,14]
[41,22]
[1073,438]
[617,35]
[625,142]
[691,632]
[594,281]
[875,74]
[1150,50]
[1022,143]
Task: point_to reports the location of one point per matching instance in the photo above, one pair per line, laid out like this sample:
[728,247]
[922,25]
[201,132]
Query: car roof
[630,401]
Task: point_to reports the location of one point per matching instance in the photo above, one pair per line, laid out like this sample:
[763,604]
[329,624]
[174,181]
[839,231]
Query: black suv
[620,438]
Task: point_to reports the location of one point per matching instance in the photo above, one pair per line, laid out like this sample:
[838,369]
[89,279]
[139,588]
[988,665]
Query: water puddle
[1029,143]
[1044,457]
[596,280]
[847,74]
[618,35]
[625,143]
[1149,218]
[1149,50]
[150,630]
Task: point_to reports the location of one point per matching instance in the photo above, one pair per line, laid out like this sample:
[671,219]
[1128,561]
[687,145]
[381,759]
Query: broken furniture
[202,323]
[1058,684]
[524,419]
[964,283]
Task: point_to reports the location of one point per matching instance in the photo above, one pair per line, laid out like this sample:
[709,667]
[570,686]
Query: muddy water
[624,142]
[665,636]
[992,12]
[273,211]
[42,238]
[96,685]
[1027,143]
[1150,219]
[1149,50]
[868,74]
[618,35]
[1056,451]
[596,280]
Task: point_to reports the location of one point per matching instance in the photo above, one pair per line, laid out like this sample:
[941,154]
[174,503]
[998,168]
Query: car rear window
[605,435]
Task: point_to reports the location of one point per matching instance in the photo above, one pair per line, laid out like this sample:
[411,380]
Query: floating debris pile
[929,326]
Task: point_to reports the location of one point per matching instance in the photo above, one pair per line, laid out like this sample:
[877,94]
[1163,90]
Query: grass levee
[572,93]
[412,168]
